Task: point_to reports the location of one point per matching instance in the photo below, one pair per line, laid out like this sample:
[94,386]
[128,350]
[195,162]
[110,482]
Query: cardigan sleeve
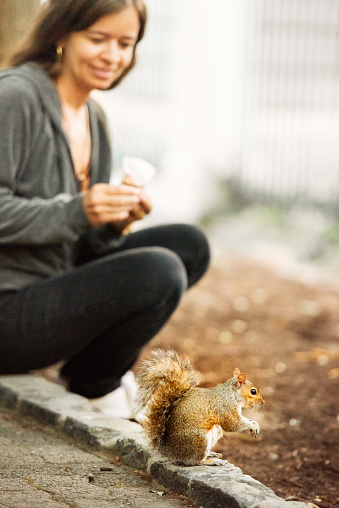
[29,220]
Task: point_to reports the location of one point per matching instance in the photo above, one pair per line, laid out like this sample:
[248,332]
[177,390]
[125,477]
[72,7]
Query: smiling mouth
[103,73]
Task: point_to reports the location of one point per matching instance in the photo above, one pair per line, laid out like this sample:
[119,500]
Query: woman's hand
[137,213]
[119,205]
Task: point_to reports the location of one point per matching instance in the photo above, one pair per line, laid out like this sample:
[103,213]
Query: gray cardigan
[41,212]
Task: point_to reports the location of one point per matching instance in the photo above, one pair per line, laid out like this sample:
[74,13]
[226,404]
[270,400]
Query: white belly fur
[212,437]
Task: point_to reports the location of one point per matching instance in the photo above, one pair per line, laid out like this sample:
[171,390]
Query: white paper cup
[137,171]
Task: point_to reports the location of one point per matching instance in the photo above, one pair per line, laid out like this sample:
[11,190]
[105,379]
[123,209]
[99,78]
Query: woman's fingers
[107,203]
[145,202]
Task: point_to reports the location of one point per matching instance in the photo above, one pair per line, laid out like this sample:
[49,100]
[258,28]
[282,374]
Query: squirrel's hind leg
[212,437]
[213,458]
[187,447]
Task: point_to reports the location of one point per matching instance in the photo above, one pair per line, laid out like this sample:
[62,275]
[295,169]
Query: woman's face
[96,57]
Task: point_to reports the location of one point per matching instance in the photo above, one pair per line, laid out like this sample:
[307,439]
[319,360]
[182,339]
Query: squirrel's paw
[214,455]
[214,461]
[253,427]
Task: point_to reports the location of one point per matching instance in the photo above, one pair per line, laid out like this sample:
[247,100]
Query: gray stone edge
[207,486]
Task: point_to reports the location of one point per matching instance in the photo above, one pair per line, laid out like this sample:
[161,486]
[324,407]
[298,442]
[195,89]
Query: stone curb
[207,486]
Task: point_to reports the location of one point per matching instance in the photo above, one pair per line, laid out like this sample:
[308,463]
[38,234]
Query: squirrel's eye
[253,391]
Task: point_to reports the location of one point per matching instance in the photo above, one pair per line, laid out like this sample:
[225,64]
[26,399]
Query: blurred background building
[291,122]
[181,108]
[244,93]
[15,18]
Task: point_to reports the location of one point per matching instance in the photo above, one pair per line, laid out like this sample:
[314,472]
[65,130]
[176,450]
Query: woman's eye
[96,40]
[125,45]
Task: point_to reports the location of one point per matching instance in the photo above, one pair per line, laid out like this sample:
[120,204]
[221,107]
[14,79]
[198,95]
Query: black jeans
[98,316]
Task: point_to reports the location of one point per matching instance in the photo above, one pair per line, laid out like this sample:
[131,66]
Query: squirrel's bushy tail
[161,381]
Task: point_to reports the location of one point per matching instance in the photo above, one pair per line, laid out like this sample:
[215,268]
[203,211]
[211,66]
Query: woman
[74,285]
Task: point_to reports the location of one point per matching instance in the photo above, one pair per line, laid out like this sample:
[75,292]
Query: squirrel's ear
[241,378]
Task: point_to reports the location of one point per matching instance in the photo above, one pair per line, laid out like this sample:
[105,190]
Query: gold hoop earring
[59,51]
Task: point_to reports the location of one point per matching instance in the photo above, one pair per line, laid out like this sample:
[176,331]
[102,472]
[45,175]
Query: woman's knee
[167,271]
[198,240]
[194,249]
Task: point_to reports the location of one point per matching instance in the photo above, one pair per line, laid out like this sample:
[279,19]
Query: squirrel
[182,421]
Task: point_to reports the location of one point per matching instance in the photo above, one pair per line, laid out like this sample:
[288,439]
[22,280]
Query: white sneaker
[130,386]
[120,402]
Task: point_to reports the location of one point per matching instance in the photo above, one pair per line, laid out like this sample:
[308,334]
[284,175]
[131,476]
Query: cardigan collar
[50,99]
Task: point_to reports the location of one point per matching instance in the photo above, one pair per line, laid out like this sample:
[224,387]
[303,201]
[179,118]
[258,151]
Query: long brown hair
[58,18]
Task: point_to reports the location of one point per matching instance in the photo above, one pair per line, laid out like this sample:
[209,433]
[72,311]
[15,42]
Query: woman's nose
[112,52]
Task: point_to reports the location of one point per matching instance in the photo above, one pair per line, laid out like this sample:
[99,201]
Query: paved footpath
[74,456]
[38,468]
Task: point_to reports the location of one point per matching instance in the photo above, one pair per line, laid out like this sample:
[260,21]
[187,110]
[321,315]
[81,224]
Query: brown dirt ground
[283,334]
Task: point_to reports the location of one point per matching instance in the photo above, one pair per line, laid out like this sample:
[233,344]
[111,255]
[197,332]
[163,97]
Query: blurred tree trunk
[16,17]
